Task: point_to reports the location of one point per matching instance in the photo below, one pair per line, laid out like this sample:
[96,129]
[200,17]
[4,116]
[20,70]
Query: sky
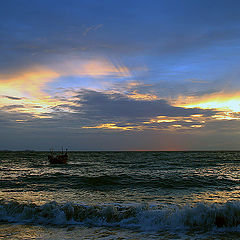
[91,75]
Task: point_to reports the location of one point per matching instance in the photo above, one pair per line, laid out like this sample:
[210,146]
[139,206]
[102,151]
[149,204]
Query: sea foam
[141,217]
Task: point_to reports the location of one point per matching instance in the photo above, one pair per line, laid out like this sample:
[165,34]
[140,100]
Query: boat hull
[59,159]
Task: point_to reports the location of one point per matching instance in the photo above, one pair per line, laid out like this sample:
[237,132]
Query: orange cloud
[112,126]
[31,89]
[138,96]
[175,123]
[31,82]
[27,83]
[224,101]
[26,88]
[93,68]
[96,68]
[30,85]
[227,103]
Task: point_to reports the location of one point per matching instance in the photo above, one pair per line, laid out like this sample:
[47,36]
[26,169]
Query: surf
[143,217]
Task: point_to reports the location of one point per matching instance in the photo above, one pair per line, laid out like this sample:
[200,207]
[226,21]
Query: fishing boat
[58,159]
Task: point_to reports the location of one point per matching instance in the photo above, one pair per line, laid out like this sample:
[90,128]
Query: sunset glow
[121,74]
[222,101]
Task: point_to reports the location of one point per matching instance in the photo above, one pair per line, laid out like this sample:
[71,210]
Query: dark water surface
[132,195]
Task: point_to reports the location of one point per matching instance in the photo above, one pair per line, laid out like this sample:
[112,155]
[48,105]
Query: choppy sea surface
[120,195]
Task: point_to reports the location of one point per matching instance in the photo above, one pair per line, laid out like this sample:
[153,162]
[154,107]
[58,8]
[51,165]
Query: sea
[120,195]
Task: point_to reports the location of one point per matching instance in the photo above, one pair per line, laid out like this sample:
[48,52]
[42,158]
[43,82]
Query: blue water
[105,195]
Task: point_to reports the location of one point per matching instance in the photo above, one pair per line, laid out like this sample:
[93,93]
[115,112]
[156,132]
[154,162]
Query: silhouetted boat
[58,159]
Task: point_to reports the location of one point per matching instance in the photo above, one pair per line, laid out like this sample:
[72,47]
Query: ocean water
[120,195]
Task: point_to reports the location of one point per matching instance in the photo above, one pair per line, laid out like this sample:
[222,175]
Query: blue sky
[120,75]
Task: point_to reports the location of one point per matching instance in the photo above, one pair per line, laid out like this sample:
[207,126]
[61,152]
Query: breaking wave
[141,217]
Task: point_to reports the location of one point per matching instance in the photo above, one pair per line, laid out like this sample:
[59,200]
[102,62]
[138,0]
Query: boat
[58,159]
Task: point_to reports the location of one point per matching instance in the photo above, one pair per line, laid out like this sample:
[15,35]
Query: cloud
[39,85]
[28,88]
[36,34]
[120,105]
[92,28]
[95,68]
[26,83]
[13,98]
[115,111]
[96,117]
[132,65]
[102,110]
[226,101]
[10,107]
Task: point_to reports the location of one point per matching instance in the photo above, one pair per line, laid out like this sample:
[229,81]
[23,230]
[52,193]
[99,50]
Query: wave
[141,217]
[120,181]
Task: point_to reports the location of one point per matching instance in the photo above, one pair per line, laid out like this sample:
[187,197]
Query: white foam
[142,217]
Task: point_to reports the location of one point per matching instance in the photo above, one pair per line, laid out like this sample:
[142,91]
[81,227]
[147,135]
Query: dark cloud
[13,98]
[10,107]
[58,128]
[95,108]
[118,106]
